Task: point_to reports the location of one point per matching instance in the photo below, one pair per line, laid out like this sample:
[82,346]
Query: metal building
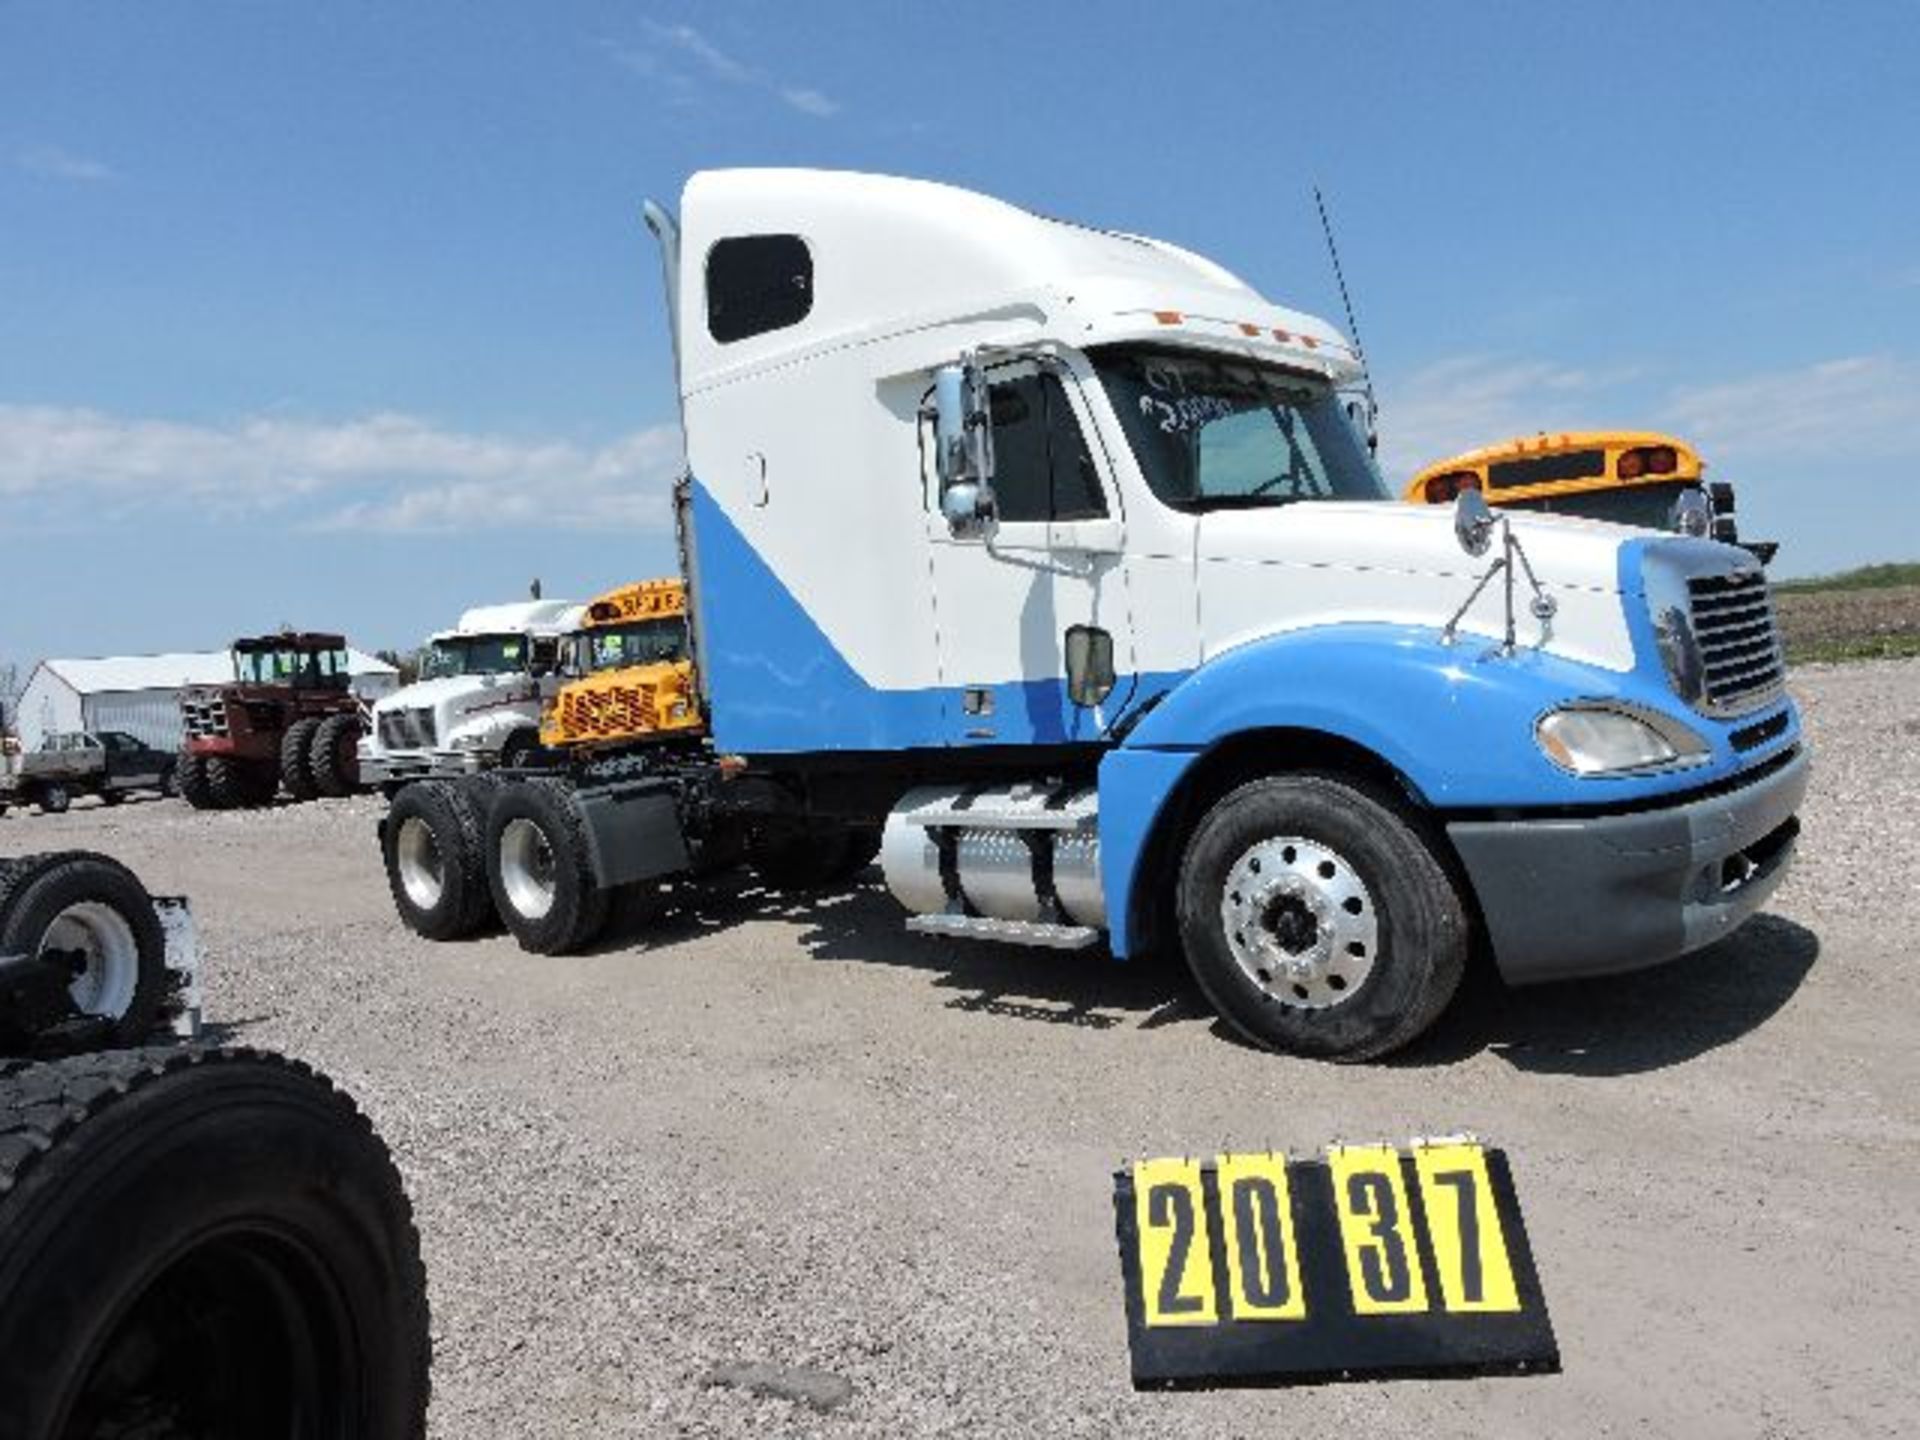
[140,694]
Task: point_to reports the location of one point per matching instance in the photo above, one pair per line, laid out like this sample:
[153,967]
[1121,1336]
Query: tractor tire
[202,1242]
[53,798]
[335,756]
[240,784]
[538,868]
[431,841]
[195,786]
[296,759]
[1318,918]
[92,908]
[811,858]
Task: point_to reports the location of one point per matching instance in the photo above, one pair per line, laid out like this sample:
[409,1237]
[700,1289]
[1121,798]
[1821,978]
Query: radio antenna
[1346,301]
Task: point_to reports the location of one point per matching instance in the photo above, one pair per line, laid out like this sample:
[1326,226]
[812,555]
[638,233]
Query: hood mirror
[1693,514]
[1473,523]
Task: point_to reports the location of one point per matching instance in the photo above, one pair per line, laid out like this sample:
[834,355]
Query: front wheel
[1318,920]
[54,799]
[335,757]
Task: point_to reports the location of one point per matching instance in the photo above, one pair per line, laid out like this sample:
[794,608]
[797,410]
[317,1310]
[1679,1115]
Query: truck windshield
[644,642]
[1213,432]
[1649,506]
[302,669]
[474,655]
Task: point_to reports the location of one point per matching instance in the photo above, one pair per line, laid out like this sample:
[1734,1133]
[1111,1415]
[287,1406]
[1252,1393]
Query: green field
[1872,613]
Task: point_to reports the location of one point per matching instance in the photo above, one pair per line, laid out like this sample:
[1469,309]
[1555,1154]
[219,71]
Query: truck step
[1012,932]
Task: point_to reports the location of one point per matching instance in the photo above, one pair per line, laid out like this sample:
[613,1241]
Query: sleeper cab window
[757,283]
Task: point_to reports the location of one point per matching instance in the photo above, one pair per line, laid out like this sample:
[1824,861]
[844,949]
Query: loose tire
[335,756]
[1318,920]
[538,868]
[225,1242]
[522,750]
[196,788]
[53,798]
[169,782]
[296,759]
[432,841]
[96,913]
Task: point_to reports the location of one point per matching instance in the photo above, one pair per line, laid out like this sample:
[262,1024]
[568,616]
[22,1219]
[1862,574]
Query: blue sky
[343,315]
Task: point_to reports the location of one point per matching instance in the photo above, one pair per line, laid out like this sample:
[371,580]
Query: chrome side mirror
[1089,665]
[963,444]
[1473,522]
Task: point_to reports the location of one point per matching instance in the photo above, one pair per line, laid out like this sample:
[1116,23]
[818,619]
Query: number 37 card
[1375,1261]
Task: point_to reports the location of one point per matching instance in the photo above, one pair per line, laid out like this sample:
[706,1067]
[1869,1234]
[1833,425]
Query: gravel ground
[754,1132]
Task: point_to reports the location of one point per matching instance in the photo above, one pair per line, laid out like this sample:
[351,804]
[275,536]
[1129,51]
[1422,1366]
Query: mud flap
[633,832]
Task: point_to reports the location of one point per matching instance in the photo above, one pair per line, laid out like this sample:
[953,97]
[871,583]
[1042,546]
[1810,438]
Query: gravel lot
[753,1131]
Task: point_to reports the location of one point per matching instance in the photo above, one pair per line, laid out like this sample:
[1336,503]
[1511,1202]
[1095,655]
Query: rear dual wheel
[540,870]
[1318,919]
[433,842]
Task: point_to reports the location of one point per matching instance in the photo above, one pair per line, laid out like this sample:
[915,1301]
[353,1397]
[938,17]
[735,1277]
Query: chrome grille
[407,729]
[1739,642]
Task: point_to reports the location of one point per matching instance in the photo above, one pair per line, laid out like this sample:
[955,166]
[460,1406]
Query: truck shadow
[1626,1024]
[862,924]
[1623,1025]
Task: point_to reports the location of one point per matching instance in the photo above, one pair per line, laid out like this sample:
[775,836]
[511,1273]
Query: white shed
[140,694]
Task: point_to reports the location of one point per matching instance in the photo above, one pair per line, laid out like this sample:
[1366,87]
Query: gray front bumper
[1563,898]
[394,766]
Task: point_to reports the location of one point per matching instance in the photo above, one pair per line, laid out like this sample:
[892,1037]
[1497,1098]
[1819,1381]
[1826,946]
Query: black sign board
[1374,1262]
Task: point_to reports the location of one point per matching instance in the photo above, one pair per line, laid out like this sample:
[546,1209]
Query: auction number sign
[1372,1262]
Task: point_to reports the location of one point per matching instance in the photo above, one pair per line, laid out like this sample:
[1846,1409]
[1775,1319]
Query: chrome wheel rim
[108,974]
[423,873]
[1300,922]
[526,868]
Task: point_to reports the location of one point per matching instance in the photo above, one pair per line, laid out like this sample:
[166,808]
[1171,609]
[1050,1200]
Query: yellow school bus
[632,678]
[1631,477]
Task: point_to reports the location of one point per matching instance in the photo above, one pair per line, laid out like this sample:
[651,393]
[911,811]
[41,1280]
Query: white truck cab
[1053,561]
[477,701]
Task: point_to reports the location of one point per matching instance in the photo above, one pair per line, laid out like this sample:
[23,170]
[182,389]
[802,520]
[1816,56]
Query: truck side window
[1042,469]
[757,283]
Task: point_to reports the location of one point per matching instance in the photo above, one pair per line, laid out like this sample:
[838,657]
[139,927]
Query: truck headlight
[1610,739]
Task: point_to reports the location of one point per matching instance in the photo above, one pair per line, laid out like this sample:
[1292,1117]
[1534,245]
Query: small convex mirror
[1089,665]
[1473,522]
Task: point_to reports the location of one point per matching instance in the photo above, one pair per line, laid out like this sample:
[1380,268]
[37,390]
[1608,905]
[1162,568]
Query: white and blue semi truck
[1053,565]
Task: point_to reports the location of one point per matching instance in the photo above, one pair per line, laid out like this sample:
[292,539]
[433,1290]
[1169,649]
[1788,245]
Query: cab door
[1003,604]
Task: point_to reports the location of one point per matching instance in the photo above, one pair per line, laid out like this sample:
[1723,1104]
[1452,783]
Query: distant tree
[407,662]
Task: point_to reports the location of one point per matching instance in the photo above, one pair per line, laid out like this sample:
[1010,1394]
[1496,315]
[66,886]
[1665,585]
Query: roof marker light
[1168,317]
[1246,329]
[1282,336]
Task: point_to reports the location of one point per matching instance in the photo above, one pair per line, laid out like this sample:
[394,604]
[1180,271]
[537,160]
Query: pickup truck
[111,764]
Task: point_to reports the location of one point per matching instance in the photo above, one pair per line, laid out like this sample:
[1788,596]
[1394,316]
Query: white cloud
[1471,400]
[718,63]
[51,160]
[810,102]
[1862,405]
[385,471]
[678,88]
